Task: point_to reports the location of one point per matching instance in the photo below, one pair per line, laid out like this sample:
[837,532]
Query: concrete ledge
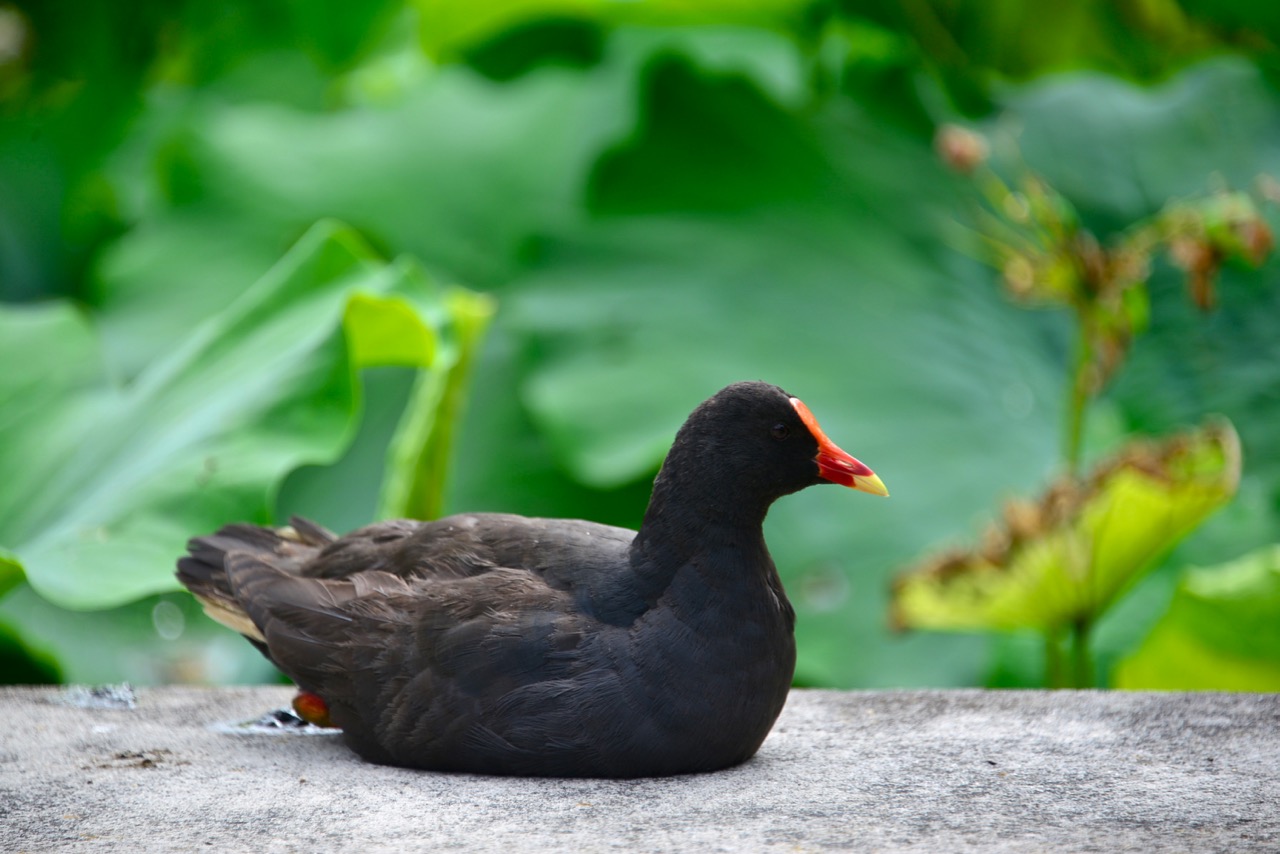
[884,771]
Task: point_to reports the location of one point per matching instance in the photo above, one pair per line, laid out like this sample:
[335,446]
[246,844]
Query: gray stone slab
[851,771]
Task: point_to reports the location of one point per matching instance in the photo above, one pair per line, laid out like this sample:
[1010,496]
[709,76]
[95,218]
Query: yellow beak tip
[871,484]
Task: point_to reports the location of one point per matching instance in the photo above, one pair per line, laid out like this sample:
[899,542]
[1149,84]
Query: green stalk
[1077,403]
[1081,658]
[1078,393]
[1053,669]
[419,453]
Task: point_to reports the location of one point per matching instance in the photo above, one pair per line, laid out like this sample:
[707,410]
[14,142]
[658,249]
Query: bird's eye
[780,431]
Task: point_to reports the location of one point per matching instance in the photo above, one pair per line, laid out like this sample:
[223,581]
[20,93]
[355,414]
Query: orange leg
[312,708]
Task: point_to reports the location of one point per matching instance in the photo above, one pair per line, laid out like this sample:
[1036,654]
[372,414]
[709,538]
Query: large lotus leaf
[1120,151]
[1222,632]
[21,664]
[462,173]
[1227,361]
[105,482]
[154,640]
[1067,556]
[29,387]
[452,26]
[10,571]
[876,222]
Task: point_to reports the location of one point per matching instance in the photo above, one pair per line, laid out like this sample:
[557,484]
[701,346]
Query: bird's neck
[696,509]
[713,569]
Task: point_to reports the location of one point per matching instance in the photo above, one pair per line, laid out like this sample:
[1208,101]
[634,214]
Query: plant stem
[1078,392]
[419,453]
[1053,658]
[1081,659]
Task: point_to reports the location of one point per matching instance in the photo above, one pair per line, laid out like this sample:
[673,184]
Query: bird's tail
[204,570]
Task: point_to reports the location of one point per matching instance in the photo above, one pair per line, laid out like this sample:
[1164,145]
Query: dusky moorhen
[500,644]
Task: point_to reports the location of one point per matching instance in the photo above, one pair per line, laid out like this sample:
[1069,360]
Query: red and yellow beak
[834,464]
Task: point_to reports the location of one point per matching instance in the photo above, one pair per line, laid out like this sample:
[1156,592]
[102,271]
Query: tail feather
[309,533]
[203,570]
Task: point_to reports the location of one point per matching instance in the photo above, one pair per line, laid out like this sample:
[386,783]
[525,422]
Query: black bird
[500,644]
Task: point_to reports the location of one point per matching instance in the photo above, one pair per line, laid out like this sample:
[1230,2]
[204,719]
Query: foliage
[1047,258]
[107,483]
[1059,563]
[664,199]
[1066,557]
[23,665]
[1221,631]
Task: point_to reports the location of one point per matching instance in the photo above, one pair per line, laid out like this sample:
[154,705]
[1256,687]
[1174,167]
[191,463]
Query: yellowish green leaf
[387,330]
[1221,633]
[1065,558]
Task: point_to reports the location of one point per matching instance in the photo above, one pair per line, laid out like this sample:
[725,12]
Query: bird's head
[760,438]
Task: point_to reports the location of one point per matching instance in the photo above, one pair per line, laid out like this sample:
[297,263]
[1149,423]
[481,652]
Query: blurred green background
[661,198]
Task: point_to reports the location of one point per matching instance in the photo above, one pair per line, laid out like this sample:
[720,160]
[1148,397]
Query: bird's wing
[563,550]
[416,661]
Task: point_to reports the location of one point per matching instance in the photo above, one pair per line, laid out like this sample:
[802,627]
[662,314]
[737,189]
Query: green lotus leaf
[1221,632]
[448,27]
[10,572]
[1064,558]
[104,482]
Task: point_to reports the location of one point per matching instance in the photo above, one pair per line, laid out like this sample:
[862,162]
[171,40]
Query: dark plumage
[500,644]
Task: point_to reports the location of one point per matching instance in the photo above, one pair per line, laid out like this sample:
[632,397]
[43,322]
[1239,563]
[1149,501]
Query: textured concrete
[883,771]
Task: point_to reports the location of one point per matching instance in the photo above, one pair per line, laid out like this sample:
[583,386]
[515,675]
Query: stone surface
[874,771]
